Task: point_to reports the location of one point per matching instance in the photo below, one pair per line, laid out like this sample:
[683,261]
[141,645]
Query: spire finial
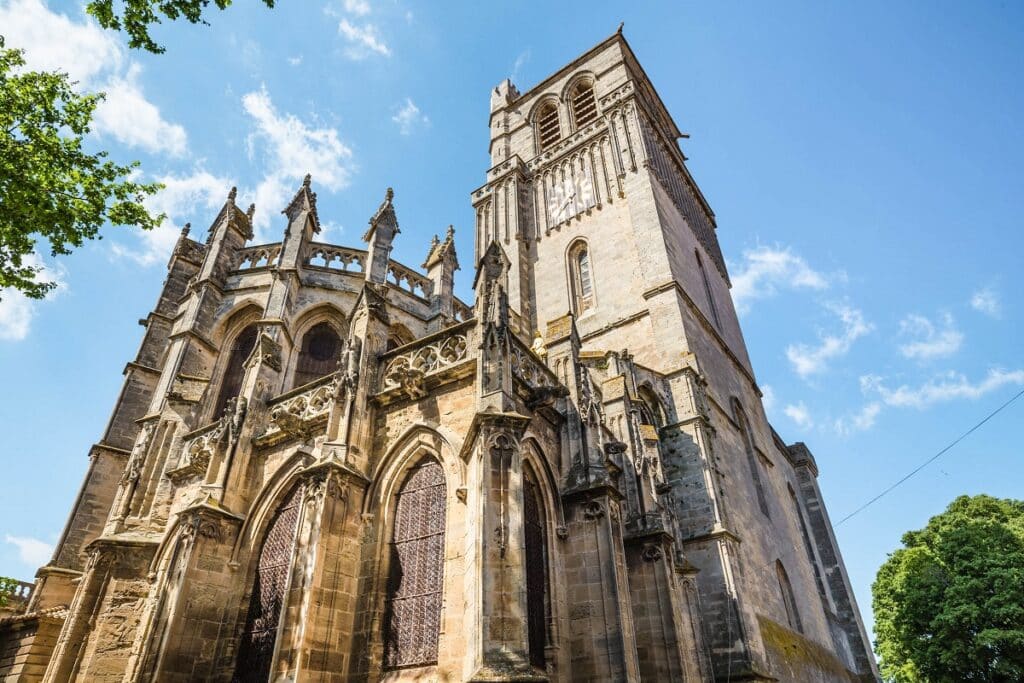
[232,194]
[434,241]
[450,235]
[185,229]
[250,211]
[619,30]
[307,180]
[390,194]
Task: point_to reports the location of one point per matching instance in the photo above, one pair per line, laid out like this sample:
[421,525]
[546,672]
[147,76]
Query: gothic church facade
[324,466]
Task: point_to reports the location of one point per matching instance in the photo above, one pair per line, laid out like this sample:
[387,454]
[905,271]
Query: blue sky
[862,160]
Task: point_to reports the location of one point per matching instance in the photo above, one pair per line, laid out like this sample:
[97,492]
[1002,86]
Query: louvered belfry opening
[318,355]
[412,615]
[548,130]
[584,105]
[231,384]
[536,571]
[269,590]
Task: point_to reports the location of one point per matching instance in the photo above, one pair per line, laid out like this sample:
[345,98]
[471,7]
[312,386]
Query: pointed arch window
[536,569]
[549,129]
[318,355]
[231,383]
[584,105]
[581,278]
[269,591]
[788,598]
[412,614]
[752,459]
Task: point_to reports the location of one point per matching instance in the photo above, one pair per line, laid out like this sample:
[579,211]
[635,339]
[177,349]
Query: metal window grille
[412,616]
[269,591]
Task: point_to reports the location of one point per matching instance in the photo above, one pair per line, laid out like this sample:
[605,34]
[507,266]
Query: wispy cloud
[799,414]
[944,388]
[987,301]
[96,60]
[281,144]
[767,397]
[359,8]
[928,341]
[31,551]
[765,270]
[363,40]
[521,59]
[863,420]
[295,61]
[810,360]
[17,310]
[409,118]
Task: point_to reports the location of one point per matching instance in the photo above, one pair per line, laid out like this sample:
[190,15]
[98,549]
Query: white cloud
[928,341]
[521,59]
[97,60]
[286,149]
[291,149]
[860,421]
[17,310]
[799,414]
[947,387]
[987,301]
[362,40]
[811,360]
[185,198]
[131,119]
[409,117]
[765,270]
[295,61]
[31,551]
[359,8]
[767,397]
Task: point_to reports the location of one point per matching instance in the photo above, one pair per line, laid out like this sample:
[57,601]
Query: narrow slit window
[707,289]
[548,129]
[584,105]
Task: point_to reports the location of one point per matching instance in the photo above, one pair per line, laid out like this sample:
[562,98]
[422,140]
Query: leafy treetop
[949,605]
[136,17]
[50,187]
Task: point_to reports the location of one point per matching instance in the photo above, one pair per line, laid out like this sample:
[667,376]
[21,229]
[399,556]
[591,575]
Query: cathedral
[325,466]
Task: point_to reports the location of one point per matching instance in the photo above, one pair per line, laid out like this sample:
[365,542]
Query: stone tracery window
[231,383]
[581,278]
[318,355]
[788,598]
[583,103]
[412,614]
[549,130]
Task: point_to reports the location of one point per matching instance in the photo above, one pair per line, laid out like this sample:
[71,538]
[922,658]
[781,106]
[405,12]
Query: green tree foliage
[949,605]
[136,17]
[7,586]
[50,187]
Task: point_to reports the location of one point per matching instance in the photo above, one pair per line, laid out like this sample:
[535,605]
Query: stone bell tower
[611,243]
